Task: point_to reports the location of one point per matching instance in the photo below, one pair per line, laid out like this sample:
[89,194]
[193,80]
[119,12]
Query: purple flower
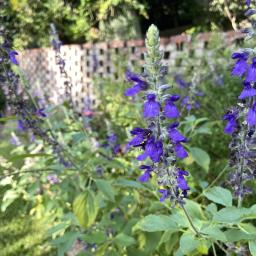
[21,126]
[251,75]
[186,102]
[12,57]
[140,136]
[111,138]
[139,84]
[251,116]
[182,183]
[180,151]
[151,106]
[40,112]
[241,65]
[153,149]
[164,193]
[53,179]
[248,3]
[248,91]
[146,175]
[170,110]
[231,125]
[116,149]
[182,84]
[174,135]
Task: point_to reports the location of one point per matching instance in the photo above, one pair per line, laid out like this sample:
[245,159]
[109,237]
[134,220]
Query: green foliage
[219,195]
[98,202]
[28,21]
[23,236]
[85,208]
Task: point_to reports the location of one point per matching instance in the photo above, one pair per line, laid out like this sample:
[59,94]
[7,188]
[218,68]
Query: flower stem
[190,220]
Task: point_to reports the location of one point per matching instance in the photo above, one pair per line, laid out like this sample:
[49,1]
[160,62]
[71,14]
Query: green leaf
[247,228]
[201,157]
[124,240]
[65,242]
[219,195]
[153,223]
[200,120]
[235,215]
[128,183]
[77,137]
[166,237]
[194,209]
[85,208]
[235,235]
[203,130]
[188,243]
[95,237]
[57,228]
[8,199]
[214,232]
[252,247]
[211,209]
[106,188]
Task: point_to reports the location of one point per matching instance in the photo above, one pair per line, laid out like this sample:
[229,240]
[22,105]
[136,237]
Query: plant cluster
[142,173]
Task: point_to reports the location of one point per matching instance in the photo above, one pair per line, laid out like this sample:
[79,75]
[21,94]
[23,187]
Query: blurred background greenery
[81,20]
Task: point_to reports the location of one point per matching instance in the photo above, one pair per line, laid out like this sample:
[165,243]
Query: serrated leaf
[235,215]
[219,195]
[106,188]
[153,223]
[201,157]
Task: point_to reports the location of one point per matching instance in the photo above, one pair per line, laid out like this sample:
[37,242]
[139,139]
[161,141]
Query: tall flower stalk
[29,116]
[241,120]
[161,142]
[56,44]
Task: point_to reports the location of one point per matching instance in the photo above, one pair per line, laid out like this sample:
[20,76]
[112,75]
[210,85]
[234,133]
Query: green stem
[190,220]
[221,247]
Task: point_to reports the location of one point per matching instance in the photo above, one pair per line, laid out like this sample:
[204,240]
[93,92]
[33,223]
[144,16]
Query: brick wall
[85,61]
